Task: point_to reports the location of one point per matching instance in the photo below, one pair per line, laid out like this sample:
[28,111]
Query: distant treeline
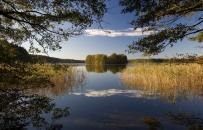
[10,53]
[104,59]
[148,60]
[171,60]
[47,59]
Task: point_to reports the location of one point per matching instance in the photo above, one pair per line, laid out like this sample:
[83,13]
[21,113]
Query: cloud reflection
[113,92]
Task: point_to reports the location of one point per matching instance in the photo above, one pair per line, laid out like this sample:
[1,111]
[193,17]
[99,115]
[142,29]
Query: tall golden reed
[166,79]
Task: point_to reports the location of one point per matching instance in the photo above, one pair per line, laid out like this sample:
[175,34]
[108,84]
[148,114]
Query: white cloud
[113,92]
[119,33]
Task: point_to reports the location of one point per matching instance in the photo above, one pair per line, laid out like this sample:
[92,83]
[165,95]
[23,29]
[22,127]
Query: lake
[98,99]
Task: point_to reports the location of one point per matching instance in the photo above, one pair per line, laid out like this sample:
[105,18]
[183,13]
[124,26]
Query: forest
[104,59]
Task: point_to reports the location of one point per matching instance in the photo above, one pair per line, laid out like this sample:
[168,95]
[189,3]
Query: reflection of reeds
[168,80]
[41,77]
[64,80]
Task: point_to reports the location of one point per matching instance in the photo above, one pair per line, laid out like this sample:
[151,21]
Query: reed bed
[66,80]
[44,79]
[166,79]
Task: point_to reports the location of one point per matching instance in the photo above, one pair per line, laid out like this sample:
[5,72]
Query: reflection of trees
[104,68]
[19,109]
[152,123]
[190,121]
[96,68]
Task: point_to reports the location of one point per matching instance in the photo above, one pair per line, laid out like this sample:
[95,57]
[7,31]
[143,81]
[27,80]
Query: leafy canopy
[47,22]
[167,18]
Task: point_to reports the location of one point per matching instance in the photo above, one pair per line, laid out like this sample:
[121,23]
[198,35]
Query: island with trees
[101,59]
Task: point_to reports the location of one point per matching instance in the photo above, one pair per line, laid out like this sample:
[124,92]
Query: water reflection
[64,81]
[99,101]
[18,110]
[189,120]
[21,110]
[113,92]
[104,68]
[152,123]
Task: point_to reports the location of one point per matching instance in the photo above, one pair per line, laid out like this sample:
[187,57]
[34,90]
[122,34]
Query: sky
[114,37]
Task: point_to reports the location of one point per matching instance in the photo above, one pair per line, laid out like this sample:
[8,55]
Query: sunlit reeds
[22,74]
[168,80]
[64,80]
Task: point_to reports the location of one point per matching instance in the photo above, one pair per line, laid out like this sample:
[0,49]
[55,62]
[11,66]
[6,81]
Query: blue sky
[80,46]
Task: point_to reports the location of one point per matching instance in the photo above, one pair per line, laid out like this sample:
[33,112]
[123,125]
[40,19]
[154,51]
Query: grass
[168,80]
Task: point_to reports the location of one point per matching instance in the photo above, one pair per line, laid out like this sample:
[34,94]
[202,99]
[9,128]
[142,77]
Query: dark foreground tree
[167,18]
[47,22]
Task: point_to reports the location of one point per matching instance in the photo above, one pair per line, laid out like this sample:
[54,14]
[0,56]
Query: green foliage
[117,59]
[12,53]
[47,22]
[26,74]
[166,19]
[100,59]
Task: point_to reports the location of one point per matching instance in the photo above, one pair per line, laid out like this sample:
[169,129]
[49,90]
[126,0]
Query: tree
[12,53]
[47,22]
[166,19]
[100,59]
[89,59]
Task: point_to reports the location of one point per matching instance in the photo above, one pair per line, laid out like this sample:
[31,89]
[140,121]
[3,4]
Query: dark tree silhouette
[19,110]
[47,22]
[166,17]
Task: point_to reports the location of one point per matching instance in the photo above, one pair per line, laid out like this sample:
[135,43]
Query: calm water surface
[99,100]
